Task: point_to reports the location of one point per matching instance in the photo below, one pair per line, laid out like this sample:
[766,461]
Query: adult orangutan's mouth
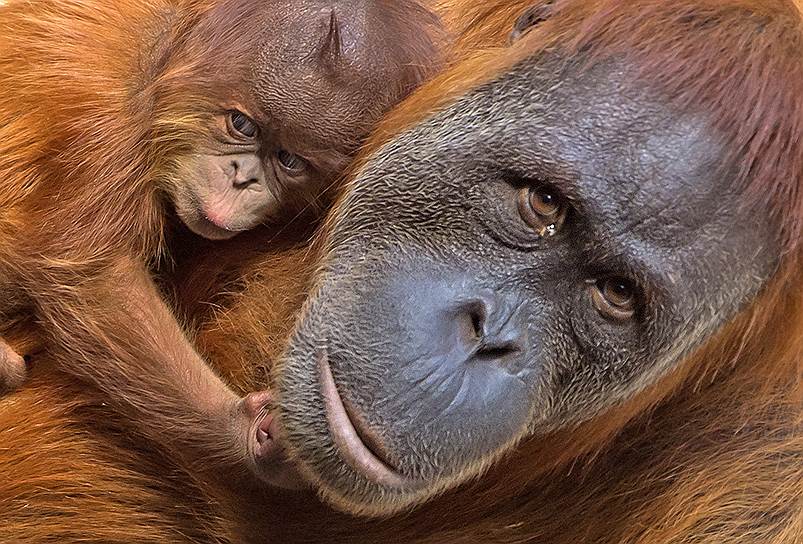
[347,439]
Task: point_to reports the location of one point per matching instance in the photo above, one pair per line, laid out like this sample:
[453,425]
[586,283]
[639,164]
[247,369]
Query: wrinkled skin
[452,328]
[287,114]
[185,105]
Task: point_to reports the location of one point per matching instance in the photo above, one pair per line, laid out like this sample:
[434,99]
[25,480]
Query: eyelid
[648,285]
[230,122]
[292,171]
[562,184]
[230,107]
[231,136]
[319,160]
[613,263]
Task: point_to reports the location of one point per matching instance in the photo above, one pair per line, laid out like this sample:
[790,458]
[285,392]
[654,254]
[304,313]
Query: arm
[114,331]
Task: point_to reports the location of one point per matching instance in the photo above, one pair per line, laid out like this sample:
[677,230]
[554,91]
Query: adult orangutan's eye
[543,209]
[614,298]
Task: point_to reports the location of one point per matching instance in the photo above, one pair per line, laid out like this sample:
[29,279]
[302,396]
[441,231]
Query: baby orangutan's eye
[291,163]
[241,126]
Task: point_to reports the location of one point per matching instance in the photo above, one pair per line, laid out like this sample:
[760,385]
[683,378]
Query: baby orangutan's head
[286,92]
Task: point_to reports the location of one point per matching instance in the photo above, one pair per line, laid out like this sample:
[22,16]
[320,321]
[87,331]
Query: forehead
[644,169]
[647,179]
[616,146]
[300,95]
[304,103]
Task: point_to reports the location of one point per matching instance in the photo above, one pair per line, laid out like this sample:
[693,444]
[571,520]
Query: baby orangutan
[230,113]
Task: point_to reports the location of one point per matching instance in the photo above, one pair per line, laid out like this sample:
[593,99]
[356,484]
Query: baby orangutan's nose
[247,171]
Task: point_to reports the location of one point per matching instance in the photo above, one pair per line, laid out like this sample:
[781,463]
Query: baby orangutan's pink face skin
[235,186]
[281,119]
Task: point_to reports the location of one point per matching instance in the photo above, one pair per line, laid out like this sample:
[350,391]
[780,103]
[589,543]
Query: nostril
[478,314]
[246,183]
[477,324]
[241,177]
[488,330]
[470,321]
[496,351]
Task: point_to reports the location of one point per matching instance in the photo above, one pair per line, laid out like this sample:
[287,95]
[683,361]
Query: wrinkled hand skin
[13,368]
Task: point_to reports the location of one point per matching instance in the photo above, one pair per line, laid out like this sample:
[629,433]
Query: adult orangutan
[559,303]
[228,114]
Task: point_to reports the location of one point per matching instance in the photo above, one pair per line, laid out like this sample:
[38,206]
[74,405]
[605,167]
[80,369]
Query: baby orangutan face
[286,108]
[238,180]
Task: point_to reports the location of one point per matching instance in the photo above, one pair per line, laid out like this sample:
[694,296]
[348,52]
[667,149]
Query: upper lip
[347,439]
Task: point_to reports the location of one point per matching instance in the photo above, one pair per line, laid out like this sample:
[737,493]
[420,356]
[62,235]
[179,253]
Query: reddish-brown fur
[81,213]
[711,454]
[101,103]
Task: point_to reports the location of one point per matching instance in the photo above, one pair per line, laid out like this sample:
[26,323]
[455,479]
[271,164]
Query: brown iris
[614,298]
[543,209]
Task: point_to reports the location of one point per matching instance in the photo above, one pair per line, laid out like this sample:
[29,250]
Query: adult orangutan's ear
[533,16]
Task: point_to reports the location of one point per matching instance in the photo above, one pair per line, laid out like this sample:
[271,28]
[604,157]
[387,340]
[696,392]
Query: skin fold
[120,118]
[557,303]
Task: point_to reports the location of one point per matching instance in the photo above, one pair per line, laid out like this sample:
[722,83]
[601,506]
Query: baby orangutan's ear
[530,18]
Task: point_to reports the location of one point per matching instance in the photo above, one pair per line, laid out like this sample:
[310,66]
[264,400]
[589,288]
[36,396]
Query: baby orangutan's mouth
[199,222]
[221,221]
[216,225]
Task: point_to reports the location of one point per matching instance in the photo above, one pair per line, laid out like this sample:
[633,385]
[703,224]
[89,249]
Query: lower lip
[210,218]
[345,436]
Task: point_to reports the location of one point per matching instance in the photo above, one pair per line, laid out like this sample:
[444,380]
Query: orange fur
[711,454]
[83,149]
[102,104]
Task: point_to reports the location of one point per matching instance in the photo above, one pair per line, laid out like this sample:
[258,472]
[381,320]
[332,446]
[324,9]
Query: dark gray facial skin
[453,328]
